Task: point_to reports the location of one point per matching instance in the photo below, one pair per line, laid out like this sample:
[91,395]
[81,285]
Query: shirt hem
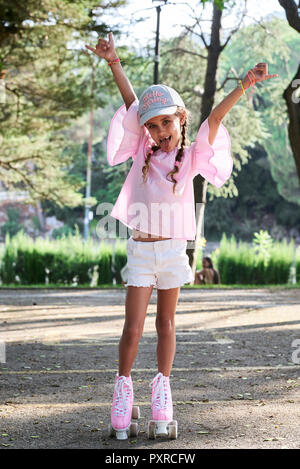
[154,234]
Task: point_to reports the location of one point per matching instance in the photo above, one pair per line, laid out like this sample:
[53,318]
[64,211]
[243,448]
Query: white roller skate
[123,410]
[162,423]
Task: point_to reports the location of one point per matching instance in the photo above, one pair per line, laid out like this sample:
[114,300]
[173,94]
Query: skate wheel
[118,434]
[133,429]
[173,430]
[151,430]
[135,412]
[161,429]
[121,435]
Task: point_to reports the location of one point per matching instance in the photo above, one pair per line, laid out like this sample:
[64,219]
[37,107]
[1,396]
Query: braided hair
[146,166]
[179,155]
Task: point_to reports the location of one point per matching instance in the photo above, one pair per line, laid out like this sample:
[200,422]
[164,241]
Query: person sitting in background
[208,275]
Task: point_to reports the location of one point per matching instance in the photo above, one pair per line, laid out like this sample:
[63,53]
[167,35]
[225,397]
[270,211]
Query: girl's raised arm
[106,50]
[256,74]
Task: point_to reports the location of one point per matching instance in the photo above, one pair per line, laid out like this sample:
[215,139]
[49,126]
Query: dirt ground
[235,379]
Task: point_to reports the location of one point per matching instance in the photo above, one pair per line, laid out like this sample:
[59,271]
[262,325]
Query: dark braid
[179,155]
[147,161]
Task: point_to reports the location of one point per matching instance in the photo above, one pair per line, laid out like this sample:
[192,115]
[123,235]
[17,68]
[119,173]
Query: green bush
[7,269]
[68,260]
[241,263]
[62,231]
[12,226]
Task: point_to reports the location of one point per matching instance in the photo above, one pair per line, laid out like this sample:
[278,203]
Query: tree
[277,44]
[47,85]
[213,48]
[219,3]
[259,204]
[106,181]
[290,93]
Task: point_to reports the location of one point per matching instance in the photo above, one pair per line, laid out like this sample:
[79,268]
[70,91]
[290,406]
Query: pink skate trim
[162,406]
[122,403]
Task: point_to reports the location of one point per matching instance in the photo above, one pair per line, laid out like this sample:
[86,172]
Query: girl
[208,274]
[157,203]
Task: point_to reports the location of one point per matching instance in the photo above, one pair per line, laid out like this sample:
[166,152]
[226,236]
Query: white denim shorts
[163,264]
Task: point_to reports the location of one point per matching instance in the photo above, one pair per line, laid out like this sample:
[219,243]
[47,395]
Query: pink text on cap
[154,97]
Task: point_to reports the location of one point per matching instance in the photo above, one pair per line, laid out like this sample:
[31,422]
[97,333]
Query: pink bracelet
[113,62]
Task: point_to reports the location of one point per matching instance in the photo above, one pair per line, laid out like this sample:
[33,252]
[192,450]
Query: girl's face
[205,264]
[165,130]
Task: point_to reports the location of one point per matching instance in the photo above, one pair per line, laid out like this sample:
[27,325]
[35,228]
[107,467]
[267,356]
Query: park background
[57,101]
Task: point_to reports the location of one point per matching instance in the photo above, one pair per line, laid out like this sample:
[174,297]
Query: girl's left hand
[258,73]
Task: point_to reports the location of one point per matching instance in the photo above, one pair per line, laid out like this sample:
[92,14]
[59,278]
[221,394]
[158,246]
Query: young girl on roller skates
[152,131]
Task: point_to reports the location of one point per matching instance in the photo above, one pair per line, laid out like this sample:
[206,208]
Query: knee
[165,327]
[132,333]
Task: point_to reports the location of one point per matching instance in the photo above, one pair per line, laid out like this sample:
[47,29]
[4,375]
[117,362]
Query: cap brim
[157,112]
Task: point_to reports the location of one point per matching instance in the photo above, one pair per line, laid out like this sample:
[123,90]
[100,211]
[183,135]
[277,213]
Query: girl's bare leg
[165,326]
[136,304]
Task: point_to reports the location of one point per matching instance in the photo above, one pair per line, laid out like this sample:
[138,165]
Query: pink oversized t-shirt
[152,207]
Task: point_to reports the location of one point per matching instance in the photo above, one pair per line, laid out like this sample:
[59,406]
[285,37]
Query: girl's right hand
[105,49]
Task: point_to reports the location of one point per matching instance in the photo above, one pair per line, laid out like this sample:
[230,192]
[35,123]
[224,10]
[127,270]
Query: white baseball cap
[158,100]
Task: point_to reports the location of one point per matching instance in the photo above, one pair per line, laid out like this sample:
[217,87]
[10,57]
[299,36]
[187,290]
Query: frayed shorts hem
[162,264]
[155,286]
[140,285]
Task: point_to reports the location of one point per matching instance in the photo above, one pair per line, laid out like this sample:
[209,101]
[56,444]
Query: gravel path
[235,379]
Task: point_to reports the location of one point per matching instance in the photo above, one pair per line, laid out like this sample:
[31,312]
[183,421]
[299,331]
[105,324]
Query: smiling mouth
[166,139]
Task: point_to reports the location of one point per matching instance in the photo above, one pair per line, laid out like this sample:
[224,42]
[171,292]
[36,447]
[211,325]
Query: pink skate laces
[123,395]
[160,394]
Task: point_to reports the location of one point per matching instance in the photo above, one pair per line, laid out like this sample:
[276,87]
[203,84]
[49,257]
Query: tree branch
[185,51]
[226,79]
[25,158]
[291,11]
[198,22]
[26,179]
[235,30]
[33,187]
[190,29]
[194,90]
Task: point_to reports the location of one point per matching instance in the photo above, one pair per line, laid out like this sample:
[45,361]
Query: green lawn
[112,286]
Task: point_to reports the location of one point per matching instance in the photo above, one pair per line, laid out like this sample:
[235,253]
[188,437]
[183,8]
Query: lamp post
[156,59]
[87,213]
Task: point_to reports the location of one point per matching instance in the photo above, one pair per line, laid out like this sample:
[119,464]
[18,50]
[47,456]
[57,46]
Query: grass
[58,286]
[289,286]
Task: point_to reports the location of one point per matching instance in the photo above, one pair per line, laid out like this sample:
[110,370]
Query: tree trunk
[293,108]
[210,86]
[292,102]
[291,11]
